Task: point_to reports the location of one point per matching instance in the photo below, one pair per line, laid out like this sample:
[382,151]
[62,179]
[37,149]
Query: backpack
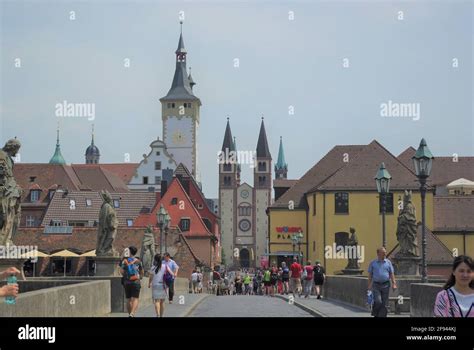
[131,268]
[286,273]
[305,274]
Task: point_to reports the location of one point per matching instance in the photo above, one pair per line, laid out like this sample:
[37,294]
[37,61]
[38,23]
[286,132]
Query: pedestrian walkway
[182,306]
[326,308]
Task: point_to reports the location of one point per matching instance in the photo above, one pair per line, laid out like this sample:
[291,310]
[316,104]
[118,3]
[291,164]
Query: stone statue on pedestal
[10,193]
[107,229]
[148,249]
[406,228]
[353,257]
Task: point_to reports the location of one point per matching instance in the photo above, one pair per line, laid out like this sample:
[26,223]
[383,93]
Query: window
[227,181]
[245,211]
[227,167]
[174,201]
[129,222]
[157,180]
[170,105]
[341,202]
[262,166]
[157,165]
[88,202]
[145,180]
[208,224]
[30,221]
[158,153]
[262,180]
[116,203]
[388,203]
[341,238]
[51,194]
[34,196]
[185,224]
[77,223]
[55,223]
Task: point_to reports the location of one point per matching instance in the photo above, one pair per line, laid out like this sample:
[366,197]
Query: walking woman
[155,281]
[457,297]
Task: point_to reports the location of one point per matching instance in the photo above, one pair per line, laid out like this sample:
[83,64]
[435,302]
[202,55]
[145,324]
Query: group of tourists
[295,279]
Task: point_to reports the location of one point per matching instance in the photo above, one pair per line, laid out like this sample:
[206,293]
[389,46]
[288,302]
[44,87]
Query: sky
[318,71]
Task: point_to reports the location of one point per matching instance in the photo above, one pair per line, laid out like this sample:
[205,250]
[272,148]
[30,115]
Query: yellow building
[339,192]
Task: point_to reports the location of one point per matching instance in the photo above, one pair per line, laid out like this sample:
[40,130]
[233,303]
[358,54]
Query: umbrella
[89,254]
[65,254]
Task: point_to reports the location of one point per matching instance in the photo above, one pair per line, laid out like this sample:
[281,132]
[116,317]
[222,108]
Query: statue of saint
[148,249]
[406,228]
[353,258]
[107,229]
[10,193]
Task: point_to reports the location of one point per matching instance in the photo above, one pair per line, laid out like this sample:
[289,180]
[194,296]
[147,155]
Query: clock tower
[180,114]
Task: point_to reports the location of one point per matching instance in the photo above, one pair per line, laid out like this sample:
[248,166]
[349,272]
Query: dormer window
[116,203]
[34,195]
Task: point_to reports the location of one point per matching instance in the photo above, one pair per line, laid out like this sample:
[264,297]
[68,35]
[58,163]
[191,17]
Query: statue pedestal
[18,263]
[107,266]
[407,265]
[352,272]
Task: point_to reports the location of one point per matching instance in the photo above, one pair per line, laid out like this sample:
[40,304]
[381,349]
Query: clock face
[244,225]
[244,194]
[179,138]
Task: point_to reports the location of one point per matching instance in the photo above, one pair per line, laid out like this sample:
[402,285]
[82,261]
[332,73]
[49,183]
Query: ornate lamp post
[166,226]
[162,222]
[299,238]
[423,161]
[382,179]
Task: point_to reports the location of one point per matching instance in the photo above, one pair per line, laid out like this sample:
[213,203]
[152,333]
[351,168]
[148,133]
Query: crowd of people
[295,279]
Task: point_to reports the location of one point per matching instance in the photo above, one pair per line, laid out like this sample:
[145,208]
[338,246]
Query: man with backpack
[295,277]
[132,272]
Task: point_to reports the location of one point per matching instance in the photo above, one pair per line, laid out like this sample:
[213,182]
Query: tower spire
[57,157]
[262,145]
[281,167]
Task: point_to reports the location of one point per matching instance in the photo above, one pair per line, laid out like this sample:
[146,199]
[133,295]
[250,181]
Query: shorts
[132,290]
[267,283]
[285,279]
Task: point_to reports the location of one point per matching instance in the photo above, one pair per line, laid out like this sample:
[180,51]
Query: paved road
[246,306]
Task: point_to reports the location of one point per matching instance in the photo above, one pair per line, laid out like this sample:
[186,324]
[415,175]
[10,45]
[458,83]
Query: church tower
[229,175]
[262,191]
[180,114]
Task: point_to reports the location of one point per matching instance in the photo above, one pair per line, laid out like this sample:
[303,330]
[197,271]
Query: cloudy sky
[333,62]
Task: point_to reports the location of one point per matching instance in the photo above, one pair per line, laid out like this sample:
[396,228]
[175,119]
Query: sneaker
[131,315]
[319,297]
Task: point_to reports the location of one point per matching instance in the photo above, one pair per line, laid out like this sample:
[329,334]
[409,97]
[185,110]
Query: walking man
[295,277]
[380,275]
[174,269]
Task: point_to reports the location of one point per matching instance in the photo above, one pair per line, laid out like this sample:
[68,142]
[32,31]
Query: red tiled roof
[329,164]
[97,178]
[360,171]
[124,171]
[132,204]
[453,213]
[284,183]
[445,169]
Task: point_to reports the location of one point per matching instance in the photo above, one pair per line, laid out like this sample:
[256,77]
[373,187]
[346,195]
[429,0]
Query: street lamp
[296,239]
[423,161]
[382,179]
[162,222]
[293,241]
